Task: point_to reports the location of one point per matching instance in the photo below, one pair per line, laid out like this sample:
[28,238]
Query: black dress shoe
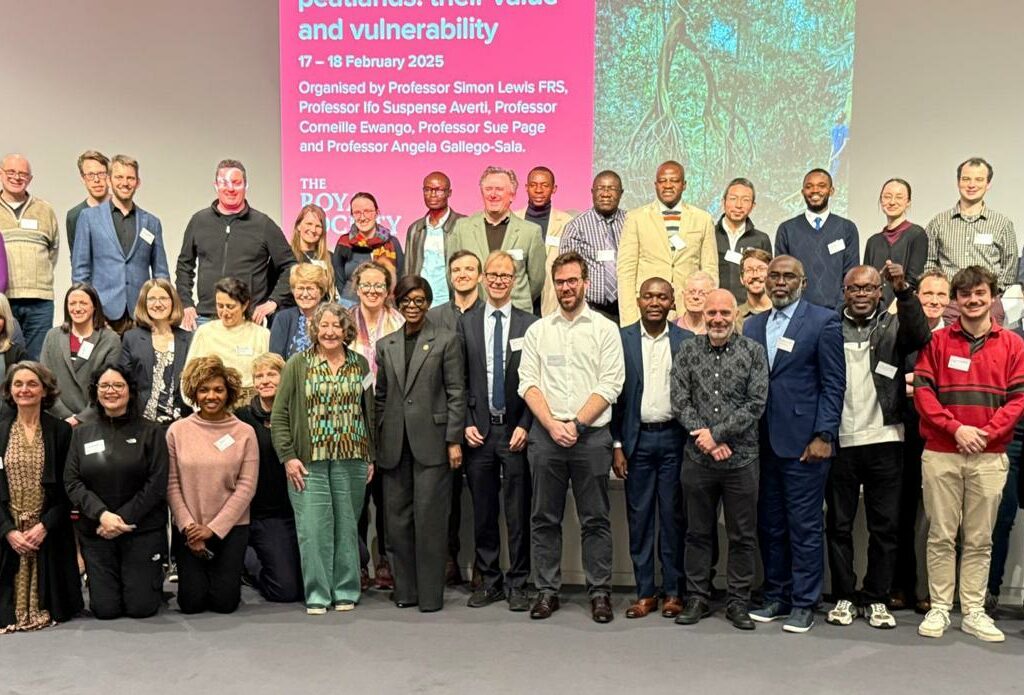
[737,614]
[544,606]
[518,601]
[693,611]
[485,597]
[401,604]
[601,609]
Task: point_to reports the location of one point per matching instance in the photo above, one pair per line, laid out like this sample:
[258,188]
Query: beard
[783,302]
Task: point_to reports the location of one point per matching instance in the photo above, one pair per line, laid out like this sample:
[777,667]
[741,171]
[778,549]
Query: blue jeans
[36,318]
[1004,520]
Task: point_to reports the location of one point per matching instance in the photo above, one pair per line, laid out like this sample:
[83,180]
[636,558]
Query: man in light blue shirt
[427,239]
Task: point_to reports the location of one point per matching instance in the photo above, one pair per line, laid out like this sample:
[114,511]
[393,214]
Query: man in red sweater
[969,391]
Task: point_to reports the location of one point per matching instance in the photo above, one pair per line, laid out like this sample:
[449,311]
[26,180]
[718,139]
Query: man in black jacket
[231,239]
[871,435]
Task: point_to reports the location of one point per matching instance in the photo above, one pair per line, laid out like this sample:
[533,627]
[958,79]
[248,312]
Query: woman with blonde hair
[309,241]
[311,286]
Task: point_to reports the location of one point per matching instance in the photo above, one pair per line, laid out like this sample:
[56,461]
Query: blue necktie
[817,224]
[498,352]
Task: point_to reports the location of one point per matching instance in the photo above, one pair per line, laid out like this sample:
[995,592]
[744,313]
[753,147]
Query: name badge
[28,224]
[517,254]
[887,370]
[1,463]
[785,344]
[224,442]
[96,447]
[147,236]
[983,239]
[556,360]
[552,240]
[367,381]
[733,256]
[605,255]
[131,440]
[318,262]
[244,350]
[836,246]
[515,344]
[961,364]
[85,349]
[677,242]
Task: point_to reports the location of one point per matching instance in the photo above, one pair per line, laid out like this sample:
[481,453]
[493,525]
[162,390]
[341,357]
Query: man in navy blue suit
[648,450]
[807,381]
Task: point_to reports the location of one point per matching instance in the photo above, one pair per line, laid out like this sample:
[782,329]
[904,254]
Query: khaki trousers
[961,493]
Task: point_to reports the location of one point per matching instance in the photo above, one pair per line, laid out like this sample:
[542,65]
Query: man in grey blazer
[427,239]
[495,227]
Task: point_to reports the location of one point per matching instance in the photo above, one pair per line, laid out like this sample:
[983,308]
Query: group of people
[530,351]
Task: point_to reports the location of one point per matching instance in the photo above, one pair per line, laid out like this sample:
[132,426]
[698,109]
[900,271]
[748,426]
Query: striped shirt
[956,241]
[671,217]
[596,238]
[337,429]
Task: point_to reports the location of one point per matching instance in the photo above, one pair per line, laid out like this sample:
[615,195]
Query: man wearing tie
[497,423]
[807,381]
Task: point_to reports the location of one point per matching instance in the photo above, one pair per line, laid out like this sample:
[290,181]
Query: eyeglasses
[157,300]
[418,302]
[17,175]
[788,277]
[862,289]
[97,176]
[697,292]
[307,290]
[568,282]
[372,287]
[434,191]
[112,387]
[499,277]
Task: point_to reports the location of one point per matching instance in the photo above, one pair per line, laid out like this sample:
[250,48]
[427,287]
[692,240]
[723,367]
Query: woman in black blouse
[900,241]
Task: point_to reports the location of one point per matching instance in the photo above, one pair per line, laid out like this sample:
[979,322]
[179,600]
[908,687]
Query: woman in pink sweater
[214,462]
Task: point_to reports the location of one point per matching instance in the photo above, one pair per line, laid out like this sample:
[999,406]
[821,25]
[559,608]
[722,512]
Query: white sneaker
[978,623]
[316,610]
[934,624]
[842,614]
[880,617]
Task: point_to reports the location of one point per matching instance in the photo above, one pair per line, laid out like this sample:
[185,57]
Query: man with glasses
[735,234]
[753,277]
[595,235]
[231,239]
[120,246]
[427,239]
[540,187]
[807,380]
[28,228]
[570,373]
[497,424]
[94,168]
[876,345]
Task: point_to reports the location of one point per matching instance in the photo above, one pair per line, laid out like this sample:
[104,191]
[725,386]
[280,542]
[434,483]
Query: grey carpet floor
[377,648]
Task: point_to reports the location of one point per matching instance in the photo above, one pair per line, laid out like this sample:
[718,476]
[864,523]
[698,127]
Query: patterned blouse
[337,428]
[160,406]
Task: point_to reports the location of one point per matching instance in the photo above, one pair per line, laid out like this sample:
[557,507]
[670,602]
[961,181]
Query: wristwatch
[580,427]
[824,436]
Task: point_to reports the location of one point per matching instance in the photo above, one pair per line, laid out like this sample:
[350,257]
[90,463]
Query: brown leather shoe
[923,605]
[382,577]
[672,607]
[601,609]
[641,607]
[544,606]
[897,600]
[453,574]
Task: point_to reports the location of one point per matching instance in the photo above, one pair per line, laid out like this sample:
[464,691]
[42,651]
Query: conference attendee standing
[497,425]
[74,349]
[11,352]
[154,353]
[310,287]
[667,238]
[231,239]
[735,233]
[322,425]
[646,450]
[900,241]
[969,391]
[420,415]
[570,373]
[272,561]
[827,245]
[696,291]
[807,380]
[427,240]
[540,187]
[497,228]
[119,246]
[754,276]
[595,236]
[365,241]
[28,254]
[214,464]
[39,582]
[870,453]
[94,168]
[309,243]
[116,477]
[719,391]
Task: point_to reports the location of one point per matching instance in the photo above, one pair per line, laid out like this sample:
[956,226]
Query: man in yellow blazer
[495,227]
[540,186]
[666,238]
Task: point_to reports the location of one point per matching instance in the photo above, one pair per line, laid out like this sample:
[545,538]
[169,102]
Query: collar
[955,212]
[956,327]
[811,215]
[679,207]
[242,214]
[440,222]
[788,311]
[587,313]
[506,311]
[532,211]
[131,210]
[645,334]
[614,217]
[867,321]
[726,226]
[708,347]
[505,220]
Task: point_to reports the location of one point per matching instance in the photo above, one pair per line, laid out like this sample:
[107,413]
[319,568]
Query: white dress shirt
[489,326]
[811,215]
[656,402]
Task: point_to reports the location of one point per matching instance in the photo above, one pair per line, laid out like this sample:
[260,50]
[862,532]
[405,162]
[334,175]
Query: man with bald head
[427,239]
[719,389]
[807,380]
[876,344]
[28,226]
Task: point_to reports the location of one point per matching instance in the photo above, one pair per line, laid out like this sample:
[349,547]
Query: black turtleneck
[539,215]
[271,498]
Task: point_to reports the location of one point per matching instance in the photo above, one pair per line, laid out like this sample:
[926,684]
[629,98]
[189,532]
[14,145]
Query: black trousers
[126,574]
[905,578]
[455,518]
[273,559]
[484,467]
[879,468]
[215,584]
[736,489]
[374,491]
[417,504]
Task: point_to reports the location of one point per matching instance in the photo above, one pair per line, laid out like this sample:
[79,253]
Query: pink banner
[375,94]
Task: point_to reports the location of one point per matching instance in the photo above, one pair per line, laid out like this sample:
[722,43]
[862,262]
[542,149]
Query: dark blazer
[427,404]
[626,410]
[478,411]
[282,330]
[414,236]
[806,386]
[139,358]
[60,585]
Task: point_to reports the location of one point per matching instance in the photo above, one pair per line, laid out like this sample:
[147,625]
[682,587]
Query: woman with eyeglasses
[365,241]
[289,333]
[309,241]
[374,318]
[900,241]
[116,477]
[421,414]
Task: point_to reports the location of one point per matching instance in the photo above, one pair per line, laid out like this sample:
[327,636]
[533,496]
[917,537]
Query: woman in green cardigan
[322,428]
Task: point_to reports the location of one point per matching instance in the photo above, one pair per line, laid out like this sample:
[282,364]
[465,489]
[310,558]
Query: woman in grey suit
[74,349]
[420,409]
